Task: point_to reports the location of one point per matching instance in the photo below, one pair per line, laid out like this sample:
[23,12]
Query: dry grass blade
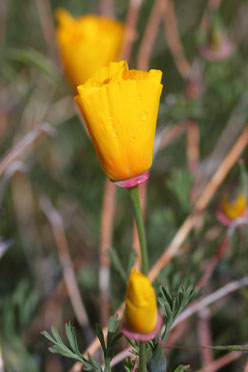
[221,362]
[43,128]
[107,8]
[47,24]
[204,336]
[130,28]
[174,42]
[150,34]
[68,271]
[246,367]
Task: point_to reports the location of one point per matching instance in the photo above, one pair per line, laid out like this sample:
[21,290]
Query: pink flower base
[134,181]
[142,336]
[219,54]
[222,218]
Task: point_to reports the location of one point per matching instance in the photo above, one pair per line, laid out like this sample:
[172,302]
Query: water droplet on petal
[115,132]
[143,115]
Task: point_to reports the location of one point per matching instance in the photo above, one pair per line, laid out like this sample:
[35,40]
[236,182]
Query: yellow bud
[141,305]
[234,209]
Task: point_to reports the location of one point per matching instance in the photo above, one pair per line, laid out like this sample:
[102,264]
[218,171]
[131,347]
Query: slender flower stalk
[134,195]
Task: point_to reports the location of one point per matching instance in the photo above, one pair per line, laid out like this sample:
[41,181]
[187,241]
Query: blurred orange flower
[86,44]
[120,108]
[234,209]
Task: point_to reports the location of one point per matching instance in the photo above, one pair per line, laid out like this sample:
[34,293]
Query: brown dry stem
[174,42]
[150,34]
[68,271]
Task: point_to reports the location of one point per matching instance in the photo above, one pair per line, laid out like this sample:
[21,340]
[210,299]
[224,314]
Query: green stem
[134,194]
[142,357]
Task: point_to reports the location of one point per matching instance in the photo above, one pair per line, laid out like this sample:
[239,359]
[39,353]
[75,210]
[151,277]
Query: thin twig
[168,135]
[68,271]
[221,362]
[193,157]
[204,335]
[24,143]
[1,360]
[246,367]
[106,233]
[212,5]
[130,28]
[213,297]
[4,245]
[193,146]
[150,34]
[201,203]
[46,19]
[16,166]
[174,42]
[107,8]
[212,265]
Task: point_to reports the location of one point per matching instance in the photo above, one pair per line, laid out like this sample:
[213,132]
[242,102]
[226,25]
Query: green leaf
[180,184]
[71,337]
[100,335]
[53,350]
[56,335]
[33,58]
[131,261]
[117,265]
[182,368]
[48,336]
[95,363]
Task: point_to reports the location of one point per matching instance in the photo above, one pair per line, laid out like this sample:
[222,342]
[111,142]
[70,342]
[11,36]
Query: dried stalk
[46,19]
[212,265]
[1,360]
[222,361]
[174,42]
[68,271]
[246,367]
[193,147]
[130,28]
[150,34]
[43,128]
[205,338]
[107,8]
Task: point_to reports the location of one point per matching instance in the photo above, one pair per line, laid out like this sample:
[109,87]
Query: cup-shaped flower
[142,320]
[120,108]
[234,209]
[86,44]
